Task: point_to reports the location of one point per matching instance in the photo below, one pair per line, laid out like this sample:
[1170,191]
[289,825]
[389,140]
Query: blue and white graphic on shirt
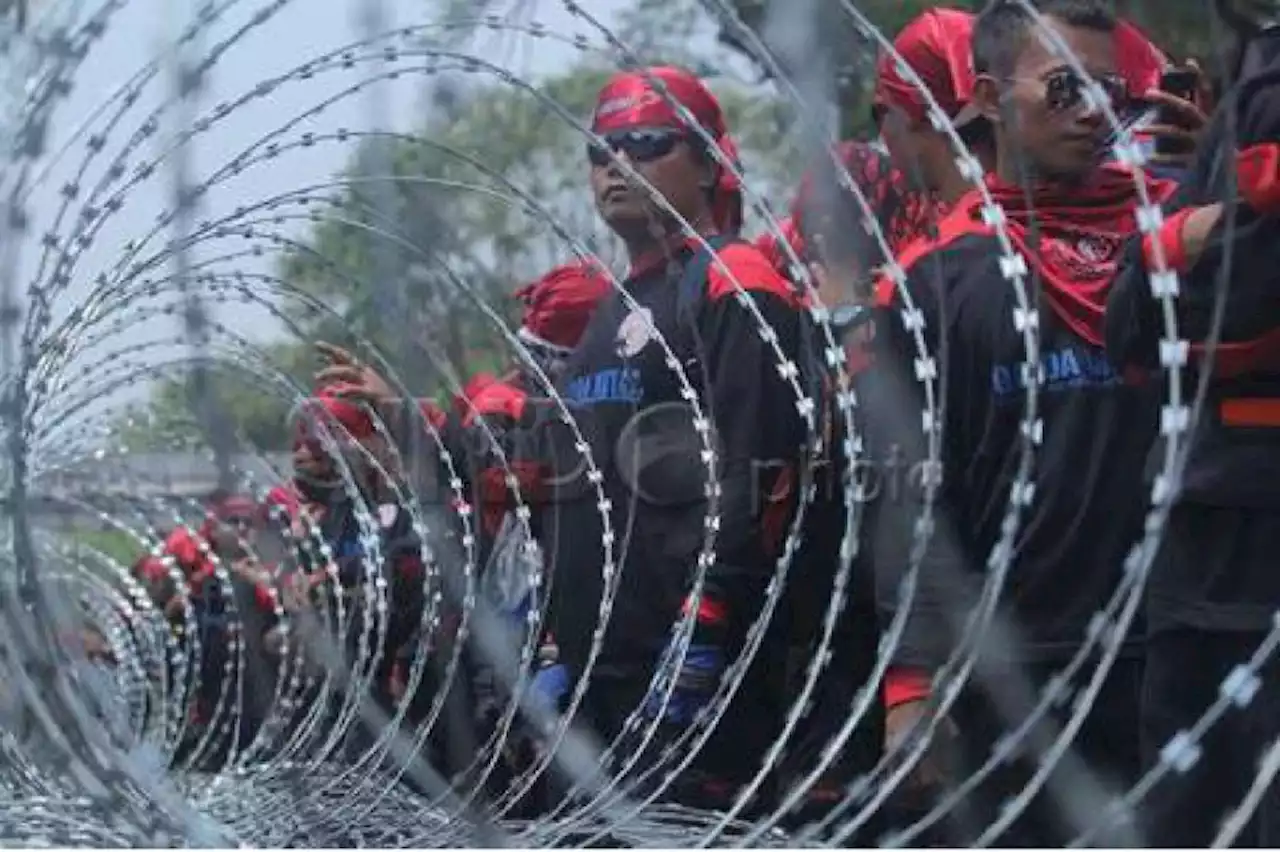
[1069,367]
[634,333]
[348,545]
[615,384]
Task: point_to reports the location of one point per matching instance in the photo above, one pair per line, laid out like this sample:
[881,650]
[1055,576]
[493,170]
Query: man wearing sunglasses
[1067,217]
[1213,589]
[659,186]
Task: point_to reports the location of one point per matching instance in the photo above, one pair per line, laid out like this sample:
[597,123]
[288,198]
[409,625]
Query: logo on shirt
[1068,368]
[616,384]
[1085,258]
[634,333]
[1094,249]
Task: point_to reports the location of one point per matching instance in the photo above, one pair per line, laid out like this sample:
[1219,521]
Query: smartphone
[1181,83]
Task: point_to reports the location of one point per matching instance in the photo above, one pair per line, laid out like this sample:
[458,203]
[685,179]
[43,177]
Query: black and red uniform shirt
[1089,497]
[629,405]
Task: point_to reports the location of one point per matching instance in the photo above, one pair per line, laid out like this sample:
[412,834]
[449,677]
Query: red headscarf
[558,306]
[1079,235]
[340,417]
[1139,61]
[632,100]
[904,213]
[285,498]
[937,46]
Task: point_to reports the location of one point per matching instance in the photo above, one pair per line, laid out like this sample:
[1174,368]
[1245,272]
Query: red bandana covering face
[936,46]
[343,419]
[632,100]
[559,305]
[1072,238]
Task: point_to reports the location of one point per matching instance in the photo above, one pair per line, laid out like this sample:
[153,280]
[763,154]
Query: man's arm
[1219,237]
[758,431]
[899,472]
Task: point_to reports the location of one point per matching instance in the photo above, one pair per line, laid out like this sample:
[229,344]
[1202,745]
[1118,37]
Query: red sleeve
[1258,177]
[751,271]
[1169,238]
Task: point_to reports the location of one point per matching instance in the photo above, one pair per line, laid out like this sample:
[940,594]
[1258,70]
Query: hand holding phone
[1178,119]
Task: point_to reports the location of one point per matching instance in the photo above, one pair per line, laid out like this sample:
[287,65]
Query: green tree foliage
[113,543]
[257,412]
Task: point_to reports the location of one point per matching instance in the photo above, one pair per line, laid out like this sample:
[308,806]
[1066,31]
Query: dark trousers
[730,757]
[1185,668]
[853,655]
[1102,761]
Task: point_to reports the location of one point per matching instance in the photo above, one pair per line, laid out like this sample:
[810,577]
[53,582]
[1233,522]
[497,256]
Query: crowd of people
[624,502]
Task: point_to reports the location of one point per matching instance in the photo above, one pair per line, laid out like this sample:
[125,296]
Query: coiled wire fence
[195,193]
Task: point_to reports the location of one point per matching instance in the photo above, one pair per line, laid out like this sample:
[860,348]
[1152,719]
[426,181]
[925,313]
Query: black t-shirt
[1089,495]
[625,396]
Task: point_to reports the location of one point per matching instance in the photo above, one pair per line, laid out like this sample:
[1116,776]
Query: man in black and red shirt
[1213,590]
[1067,218]
[630,404]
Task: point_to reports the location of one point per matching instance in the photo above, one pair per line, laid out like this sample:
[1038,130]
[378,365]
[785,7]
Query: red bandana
[1138,60]
[340,417]
[559,305]
[1072,238]
[632,100]
[936,46]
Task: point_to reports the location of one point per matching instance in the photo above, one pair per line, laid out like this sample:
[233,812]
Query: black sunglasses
[1065,89]
[640,146]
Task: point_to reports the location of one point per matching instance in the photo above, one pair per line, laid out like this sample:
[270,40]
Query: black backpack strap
[693,281]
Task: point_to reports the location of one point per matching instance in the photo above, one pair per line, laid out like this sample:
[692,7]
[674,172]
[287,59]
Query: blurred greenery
[113,543]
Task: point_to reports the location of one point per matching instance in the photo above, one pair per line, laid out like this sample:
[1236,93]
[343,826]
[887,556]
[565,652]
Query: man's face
[661,156]
[914,148]
[1048,118]
[312,464]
